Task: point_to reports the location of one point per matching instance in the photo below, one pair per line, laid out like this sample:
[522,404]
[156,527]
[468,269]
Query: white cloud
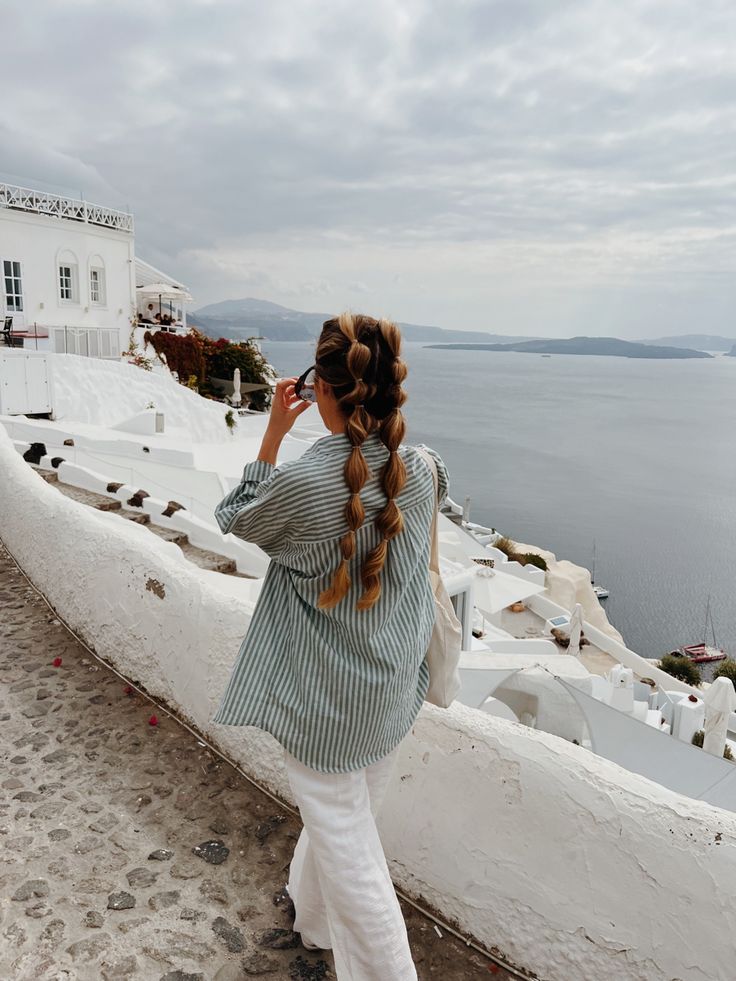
[511,165]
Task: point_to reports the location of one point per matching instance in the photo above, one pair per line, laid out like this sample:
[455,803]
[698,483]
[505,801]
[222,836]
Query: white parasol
[576,630]
[235,399]
[720,701]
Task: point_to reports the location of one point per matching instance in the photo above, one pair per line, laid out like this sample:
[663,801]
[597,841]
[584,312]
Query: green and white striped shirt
[338,688]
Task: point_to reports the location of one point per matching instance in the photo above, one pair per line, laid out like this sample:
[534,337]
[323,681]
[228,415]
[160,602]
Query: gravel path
[130,851]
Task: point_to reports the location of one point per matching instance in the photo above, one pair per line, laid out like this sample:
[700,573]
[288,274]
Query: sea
[632,461]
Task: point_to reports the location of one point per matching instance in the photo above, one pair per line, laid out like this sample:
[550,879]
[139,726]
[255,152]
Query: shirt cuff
[257,471]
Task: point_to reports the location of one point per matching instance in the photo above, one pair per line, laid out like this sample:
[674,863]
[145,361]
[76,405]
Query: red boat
[700,653]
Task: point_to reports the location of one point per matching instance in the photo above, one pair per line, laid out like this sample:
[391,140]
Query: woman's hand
[286,407]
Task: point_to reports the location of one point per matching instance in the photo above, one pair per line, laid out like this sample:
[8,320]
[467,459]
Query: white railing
[90,342]
[42,203]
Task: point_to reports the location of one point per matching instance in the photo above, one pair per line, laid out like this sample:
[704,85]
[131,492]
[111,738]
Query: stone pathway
[130,851]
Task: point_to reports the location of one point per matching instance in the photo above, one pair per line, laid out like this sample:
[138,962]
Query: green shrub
[531,558]
[505,545]
[726,669]
[699,738]
[230,420]
[680,667]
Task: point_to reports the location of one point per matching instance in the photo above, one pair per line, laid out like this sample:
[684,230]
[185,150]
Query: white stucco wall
[37,241]
[566,863]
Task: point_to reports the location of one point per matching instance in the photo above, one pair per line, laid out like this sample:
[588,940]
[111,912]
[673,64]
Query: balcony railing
[90,342]
[42,203]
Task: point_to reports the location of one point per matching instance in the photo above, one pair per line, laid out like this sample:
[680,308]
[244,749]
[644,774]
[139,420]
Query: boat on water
[600,591]
[703,652]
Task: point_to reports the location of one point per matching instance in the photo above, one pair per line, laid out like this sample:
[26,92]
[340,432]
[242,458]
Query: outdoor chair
[8,337]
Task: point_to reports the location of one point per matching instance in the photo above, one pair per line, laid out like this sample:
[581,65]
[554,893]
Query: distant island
[606,346]
[698,342]
[240,319]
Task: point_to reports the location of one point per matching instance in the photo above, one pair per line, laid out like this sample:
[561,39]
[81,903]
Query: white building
[70,276]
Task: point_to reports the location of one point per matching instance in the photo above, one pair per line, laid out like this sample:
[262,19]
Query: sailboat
[600,591]
[703,652]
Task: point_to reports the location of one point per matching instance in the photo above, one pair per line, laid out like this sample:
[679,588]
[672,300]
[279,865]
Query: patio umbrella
[236,388]
[164,291]
[720,701]
[576,630]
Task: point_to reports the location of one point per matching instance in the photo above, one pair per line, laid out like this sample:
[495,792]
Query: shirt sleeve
[260,509]
[443,477]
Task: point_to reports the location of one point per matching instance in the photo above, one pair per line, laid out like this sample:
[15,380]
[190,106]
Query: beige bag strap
[434,558]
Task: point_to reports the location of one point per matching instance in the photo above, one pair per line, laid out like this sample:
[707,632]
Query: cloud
[513,161]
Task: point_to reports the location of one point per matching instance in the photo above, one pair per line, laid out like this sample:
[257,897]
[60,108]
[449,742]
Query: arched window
[97,285]
[67,276]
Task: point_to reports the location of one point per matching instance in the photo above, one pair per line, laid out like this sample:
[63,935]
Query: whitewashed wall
[37,241]
[566,863]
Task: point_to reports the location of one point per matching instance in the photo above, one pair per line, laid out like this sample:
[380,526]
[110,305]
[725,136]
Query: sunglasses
[304,385]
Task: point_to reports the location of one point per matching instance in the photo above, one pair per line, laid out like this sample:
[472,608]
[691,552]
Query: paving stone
[192,914]
[119,969]
[84,951]
[161,855]
[214,891]
[162,900]
[29,889]
[181,976]
[278,939]
[257,963]
[302,970]
[59,834]
[215,852]
[141,878]
[120,900]
[93,919]
[230,935]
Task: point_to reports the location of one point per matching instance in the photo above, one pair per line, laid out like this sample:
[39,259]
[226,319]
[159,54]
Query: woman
[333,662]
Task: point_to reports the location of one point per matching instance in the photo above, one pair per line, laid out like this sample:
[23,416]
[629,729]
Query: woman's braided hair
[360,358]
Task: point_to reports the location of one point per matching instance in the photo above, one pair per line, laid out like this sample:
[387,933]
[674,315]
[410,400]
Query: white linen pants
[339,881]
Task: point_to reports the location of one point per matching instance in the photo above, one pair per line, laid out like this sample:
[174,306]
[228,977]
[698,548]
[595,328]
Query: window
[97,286]
[65,283]
[13,286]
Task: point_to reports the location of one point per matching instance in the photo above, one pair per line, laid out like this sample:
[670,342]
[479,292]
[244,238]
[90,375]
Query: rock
[220,826]
[214,891]
[59,834]
[12,784]
[38,910]
[88,843]
[184,872]
[229,934]
[27,797]
[141,878]
[170,946]
[191,914]
[93,919]
[269,826]
[33,887]
[58,756]
[301,970]
[215,852]
[161,855]
[278,939]
[103,824]
[47,810]
[181,976]
[120,969]
[257,963]
[162,900]
[35,711]
[120,900]
[52,933]
[18,760]
[127,925]
[89,949]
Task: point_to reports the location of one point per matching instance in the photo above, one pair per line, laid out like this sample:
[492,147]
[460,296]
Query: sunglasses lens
[305,387]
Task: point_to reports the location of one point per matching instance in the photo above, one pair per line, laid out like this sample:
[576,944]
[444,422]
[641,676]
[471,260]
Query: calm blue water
[562,452]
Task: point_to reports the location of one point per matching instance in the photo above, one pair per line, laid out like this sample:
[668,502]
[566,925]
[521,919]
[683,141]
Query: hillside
[250,317]
[698,342]
[606,346]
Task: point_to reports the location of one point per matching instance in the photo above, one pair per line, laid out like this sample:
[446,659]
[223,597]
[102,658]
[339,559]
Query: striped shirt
[338,688]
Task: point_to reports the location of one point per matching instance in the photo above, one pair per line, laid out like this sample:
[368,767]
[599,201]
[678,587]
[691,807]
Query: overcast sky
[549,168]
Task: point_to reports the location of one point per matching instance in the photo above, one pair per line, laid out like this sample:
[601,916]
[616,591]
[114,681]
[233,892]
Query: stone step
[140,517]
[209,560]
[169,534]
[90,498]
